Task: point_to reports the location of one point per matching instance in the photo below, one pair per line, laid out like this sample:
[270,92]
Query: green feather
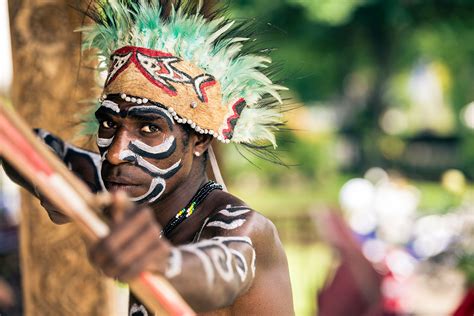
[206,43]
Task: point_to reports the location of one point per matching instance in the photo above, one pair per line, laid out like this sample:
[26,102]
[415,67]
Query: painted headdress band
[190,65]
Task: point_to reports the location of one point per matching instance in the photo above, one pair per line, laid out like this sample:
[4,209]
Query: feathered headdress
[192,65]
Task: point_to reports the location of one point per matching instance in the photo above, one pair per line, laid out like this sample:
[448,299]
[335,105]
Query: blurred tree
[57,277]
[348,53]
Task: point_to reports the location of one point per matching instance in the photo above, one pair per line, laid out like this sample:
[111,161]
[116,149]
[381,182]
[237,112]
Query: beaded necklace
[189,209]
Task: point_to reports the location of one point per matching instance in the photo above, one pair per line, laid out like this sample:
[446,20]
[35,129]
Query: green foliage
[466,264]
[329,11]
[320,44]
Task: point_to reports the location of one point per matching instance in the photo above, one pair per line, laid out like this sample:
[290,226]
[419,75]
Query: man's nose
[115,152]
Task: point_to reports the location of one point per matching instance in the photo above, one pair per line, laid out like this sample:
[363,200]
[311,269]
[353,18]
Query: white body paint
[175,264]
[227,226]
[241,271]
[212,253]
[204,258]
[221,253]
[226,212]
[138,308]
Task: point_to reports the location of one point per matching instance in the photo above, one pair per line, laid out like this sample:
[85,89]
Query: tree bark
[47,85]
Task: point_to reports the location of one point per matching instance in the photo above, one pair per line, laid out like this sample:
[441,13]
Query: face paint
[137,111]
[137,150]
[111,105]
[157,187]
[104,142]
[130,156]
[162,151]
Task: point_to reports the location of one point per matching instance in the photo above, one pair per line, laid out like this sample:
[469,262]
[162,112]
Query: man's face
[144,152]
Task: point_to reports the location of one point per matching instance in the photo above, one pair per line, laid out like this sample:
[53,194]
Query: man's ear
[201,143]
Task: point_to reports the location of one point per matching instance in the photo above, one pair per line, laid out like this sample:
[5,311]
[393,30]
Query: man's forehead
[123,109]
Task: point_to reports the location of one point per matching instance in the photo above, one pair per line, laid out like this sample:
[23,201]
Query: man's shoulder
[230,216]
[231,213]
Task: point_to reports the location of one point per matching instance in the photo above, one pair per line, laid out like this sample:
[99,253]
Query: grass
[309,268]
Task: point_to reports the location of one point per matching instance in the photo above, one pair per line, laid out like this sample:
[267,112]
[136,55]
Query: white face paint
[164,147]
[111,105]
[104,142]
[157,187]
[138,151]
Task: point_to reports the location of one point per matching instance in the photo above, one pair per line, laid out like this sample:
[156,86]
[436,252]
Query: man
[176,81]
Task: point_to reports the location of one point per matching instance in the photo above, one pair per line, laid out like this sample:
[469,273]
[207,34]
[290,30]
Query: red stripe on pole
[11,135]
[169,302]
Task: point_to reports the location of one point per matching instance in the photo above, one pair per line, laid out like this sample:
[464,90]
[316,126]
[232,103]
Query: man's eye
[107,124]
[150,128]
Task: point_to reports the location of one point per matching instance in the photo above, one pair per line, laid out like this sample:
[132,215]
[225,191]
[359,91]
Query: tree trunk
[47,85]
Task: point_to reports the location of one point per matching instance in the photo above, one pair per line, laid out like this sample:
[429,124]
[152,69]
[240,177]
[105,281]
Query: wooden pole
[47,85]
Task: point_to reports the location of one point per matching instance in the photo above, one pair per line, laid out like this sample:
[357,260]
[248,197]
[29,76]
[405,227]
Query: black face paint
[137,150]
[165,150]
[143,113]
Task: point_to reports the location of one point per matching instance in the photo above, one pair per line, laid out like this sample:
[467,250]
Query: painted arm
[83,163]
[219,269]
[257,270]
[210,273]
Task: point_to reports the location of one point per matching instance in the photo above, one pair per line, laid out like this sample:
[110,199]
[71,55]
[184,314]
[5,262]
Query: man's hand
[133,245]
[54,214]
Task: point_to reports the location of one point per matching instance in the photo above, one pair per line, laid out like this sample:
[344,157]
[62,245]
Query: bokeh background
[375,205]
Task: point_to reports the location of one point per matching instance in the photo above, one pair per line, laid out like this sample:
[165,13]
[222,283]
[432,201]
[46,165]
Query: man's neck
[172,203]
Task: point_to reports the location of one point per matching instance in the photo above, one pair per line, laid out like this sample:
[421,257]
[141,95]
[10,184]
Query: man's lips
[123,184]
[120,181]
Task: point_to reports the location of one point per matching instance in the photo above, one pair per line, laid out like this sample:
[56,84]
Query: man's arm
[210,274]
[83,163]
